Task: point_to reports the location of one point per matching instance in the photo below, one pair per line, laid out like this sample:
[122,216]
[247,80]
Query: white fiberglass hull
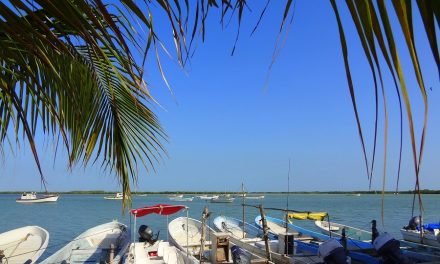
[45,199]
[414,236]
[101,244]
[160,252]
[23,245]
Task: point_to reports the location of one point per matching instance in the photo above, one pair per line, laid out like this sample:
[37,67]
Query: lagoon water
[73,214]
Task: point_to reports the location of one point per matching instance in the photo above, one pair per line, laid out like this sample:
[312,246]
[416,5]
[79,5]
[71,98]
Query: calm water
[73,214]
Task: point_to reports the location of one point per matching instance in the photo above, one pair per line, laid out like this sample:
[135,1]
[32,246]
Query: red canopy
[162,209]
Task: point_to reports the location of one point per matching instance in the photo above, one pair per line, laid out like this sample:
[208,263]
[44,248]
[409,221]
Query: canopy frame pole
[167,228]
[134,240]
[187,234]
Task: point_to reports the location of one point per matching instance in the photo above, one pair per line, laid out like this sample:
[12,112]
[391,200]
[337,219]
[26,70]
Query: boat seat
[87,256]
[161,248]
[195,244]
[171,256]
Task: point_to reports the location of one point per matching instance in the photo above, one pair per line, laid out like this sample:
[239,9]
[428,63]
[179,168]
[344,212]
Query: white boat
[176,195]
[254,197]
[428,234]
[186,234]
[117,196]
[150,250]
[23,245]
[237,228]
[32,197]
[335,229]
[181,199]
[207,197]
[223,199]
[104,243]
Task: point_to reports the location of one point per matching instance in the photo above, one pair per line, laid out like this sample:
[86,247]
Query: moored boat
[117,196]
[336,229]
[181,199]
[148,249]
[254,197]
[23,245]
[32,197]
[427,234]
[104,243]
[207,197]
[223,199]
[186,234]
[237,228]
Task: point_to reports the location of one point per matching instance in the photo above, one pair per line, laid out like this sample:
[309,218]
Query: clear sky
[225,126]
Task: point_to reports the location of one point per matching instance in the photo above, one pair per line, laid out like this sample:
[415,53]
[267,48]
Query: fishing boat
[237,228]
[254,197]
[32,197]
[310,241]
[427,234]
[223,199]
[336,229]
[181,199]
[117,196]
[175,195]
[186,234]
[207,197]
[205,245]
[23,245]
[148,249]
[104,243]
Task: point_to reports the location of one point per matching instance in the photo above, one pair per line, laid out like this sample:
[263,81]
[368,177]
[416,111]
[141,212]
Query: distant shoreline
[204,192]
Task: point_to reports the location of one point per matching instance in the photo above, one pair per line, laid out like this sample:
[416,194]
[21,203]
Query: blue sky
[226,126]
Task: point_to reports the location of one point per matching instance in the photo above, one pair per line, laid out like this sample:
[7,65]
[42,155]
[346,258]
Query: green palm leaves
[67,69]
[376,33]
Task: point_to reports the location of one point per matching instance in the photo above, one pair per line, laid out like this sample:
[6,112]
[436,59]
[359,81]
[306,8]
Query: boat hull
[185,234]
[414,236]
[24,245]
[95,245]
[237,229]
[335,229]
[45,199]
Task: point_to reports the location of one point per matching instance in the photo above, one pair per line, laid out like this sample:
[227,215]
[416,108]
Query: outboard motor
[146,234]
[389,249]
[332,252]
[374,232]
[240,256]
[414,223]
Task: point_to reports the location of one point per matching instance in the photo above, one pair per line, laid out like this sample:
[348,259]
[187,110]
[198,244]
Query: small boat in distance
[254,197]
[175,195]
[117,196]
[181,199]
[23,245]
[31,197]
[223,199]
[207,197]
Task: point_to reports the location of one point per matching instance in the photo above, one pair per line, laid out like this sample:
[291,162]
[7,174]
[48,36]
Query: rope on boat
[60,244]
[18,240]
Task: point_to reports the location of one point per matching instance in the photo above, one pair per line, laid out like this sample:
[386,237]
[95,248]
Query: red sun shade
[161,209]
